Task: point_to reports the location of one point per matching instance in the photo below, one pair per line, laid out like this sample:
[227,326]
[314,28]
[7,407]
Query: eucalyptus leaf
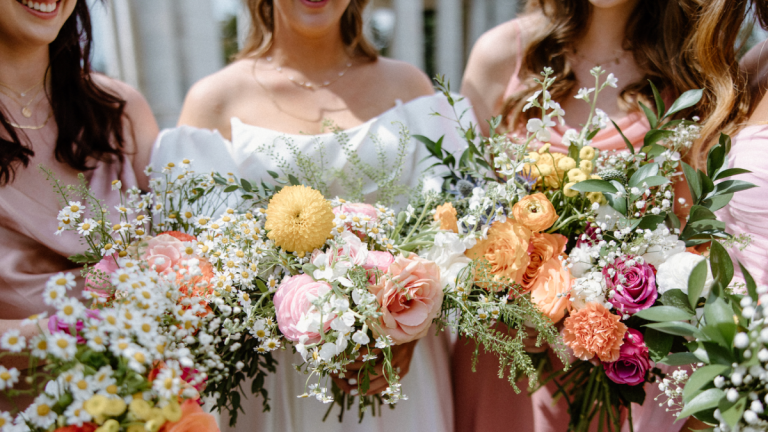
[701,378]
[732,186]
[594,186]
[703,401]
[674,328]
[696,283]
[750,282]
[686,100]
[732,412]
[664,313]
[680,359]
[645,171]
[694,186]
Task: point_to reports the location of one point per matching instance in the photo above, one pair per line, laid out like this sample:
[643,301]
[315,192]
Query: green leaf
[664,313]
[717,311]
[722,266]
[730,172]
[594,186]
[701,378]
[652,118]
[700,213]
[694,186]
[732,186]
[232,188]
[717,353]
[660,107]
[654,181]
[633,394]
[618,203]
[659,344]
[686,100]
[652,137]
[750,282]
[715,159]
[246,185]
[703,401]
[653,150]
[261,285]
[674,328]
[647,170]
[707,185]
[696,283]
[680,359]
[273,174]
[676,298]
[294,181]
[732,412]
[651,221]
[433,147]
[626,141]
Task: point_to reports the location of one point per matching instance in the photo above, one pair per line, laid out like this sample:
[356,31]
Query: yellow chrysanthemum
[299,219]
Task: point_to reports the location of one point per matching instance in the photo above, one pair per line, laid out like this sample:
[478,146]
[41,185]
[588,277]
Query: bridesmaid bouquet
[606,250]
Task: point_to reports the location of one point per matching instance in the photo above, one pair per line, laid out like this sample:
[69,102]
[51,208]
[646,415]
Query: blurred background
[162,47]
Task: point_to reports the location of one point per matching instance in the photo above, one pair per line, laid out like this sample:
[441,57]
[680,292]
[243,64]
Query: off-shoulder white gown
[428,384]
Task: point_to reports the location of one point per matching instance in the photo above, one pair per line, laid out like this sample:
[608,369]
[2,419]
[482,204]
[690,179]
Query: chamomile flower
[102,378]
[41,413]
[74,209]
[8,377]
[109,249]
[53,295]
[63,346]
[39,346]
[64,280]
[86,227]
[82,387]
[70,310]
[6,422]
[13,341]
[76,413]
[96,339]
[167,384]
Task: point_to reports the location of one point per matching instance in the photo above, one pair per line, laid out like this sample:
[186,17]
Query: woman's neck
[308,53]
[605,33]
[22,67]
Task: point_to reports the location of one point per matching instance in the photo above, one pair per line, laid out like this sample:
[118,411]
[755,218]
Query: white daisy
[54,295]
[117,185]
[63,346]
[5,421]
[76,414]
[8,377]
[86,227]
[82,387]
[13,341]
[167,384]
[70,310]
[96,339]
[109,249]
[41,413]
[39,346]
[103,378]
[65,280]
[34,319]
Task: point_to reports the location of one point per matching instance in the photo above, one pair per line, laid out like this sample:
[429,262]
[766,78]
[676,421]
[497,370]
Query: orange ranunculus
[535,212]
[549,291]
[594,330]
[543,247]
[86,427]
[505,249]
[446,215]
[193,419]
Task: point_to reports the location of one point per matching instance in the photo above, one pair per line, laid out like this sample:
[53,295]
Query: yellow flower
[446,215]
[566,164]
[114,407]
[576,175]
[596,197]
[172,411]
[299,219]
[587,153]
[96,405]
[111,425]
[544,148]
[570,193]
[586,166]
[140,409]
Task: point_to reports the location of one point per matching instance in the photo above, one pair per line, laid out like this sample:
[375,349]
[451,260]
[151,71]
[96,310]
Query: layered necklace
[308,84]
[27,108]
[616,60]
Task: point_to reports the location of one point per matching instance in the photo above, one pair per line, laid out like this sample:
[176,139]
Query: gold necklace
[307,84]
[23,93]
[38,127]
[615,60]
[25,111]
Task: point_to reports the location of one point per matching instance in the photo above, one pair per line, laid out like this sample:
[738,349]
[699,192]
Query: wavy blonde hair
[262,15]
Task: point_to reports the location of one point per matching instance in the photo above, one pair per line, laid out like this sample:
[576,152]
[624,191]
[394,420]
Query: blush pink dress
[30,252]
[483,401]
[746,212]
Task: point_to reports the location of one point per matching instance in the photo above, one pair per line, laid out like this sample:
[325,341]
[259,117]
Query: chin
[34,22]
[311,16]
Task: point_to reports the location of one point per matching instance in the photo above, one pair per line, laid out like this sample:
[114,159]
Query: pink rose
[410,297]
[163,252]
[633,362]
[377,261]
[99,285]
[635,286]
[357,209]
[296,315]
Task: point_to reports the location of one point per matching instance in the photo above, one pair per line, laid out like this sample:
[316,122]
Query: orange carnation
[505,249]
[543,247]
[550,290]
[193,419]
[446,215]
[535,212]
[593,330]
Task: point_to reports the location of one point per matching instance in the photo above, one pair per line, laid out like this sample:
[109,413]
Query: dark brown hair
[89,118]
[263,25]
[655,35]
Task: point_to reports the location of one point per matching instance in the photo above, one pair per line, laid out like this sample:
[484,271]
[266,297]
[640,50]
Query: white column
[160,69]
[200,40]
[450,46]
[408,44]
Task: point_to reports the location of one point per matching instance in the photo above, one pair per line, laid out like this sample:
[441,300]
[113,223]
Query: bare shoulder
[402,80]
[206,103]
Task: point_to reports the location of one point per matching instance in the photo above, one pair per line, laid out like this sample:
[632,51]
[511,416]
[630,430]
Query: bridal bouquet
[597,246]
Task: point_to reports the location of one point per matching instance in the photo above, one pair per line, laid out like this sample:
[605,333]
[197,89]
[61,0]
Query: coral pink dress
[746,212]
[30,252]
[483,401]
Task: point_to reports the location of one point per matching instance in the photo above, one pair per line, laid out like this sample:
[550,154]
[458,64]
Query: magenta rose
[634,286]
[633,362]
[296,315]
[410,296]
[163,252]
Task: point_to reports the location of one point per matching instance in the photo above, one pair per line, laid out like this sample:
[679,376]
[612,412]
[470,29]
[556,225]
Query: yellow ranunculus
[576,175]
[566,164]
[570,193]
[586,166]
[587,153]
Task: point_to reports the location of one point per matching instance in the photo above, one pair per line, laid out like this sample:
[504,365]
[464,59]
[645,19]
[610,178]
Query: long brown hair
[89,118]
[715,46]
[263,26]
[655,35]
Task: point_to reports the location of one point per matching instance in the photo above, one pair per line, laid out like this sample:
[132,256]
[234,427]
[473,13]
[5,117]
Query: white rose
[675,271]
[581,260]
[588,289]
[448,254]
[662,245]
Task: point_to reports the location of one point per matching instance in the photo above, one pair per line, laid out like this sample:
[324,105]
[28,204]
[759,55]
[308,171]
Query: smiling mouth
[44,7]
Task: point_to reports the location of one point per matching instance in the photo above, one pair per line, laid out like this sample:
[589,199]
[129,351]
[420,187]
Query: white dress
[428,384]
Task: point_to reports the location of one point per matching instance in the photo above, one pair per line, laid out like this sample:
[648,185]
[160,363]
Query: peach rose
[542,248]
[410,297]
[535,212]
[296,315]
[360,209]
[593,330]
[163,252]
[446,215]
[505,249]
[193,419]
[550,290]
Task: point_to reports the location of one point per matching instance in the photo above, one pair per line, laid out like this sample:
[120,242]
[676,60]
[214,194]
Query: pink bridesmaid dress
[483,401]
[747,211]
[30,252]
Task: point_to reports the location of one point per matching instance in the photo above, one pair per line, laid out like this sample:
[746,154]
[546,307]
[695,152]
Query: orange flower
[193,419]
[593,330]
[535,212]
[86,427]
[506,249]
[180,236]
[446,215]
[543,247]
[550,289]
